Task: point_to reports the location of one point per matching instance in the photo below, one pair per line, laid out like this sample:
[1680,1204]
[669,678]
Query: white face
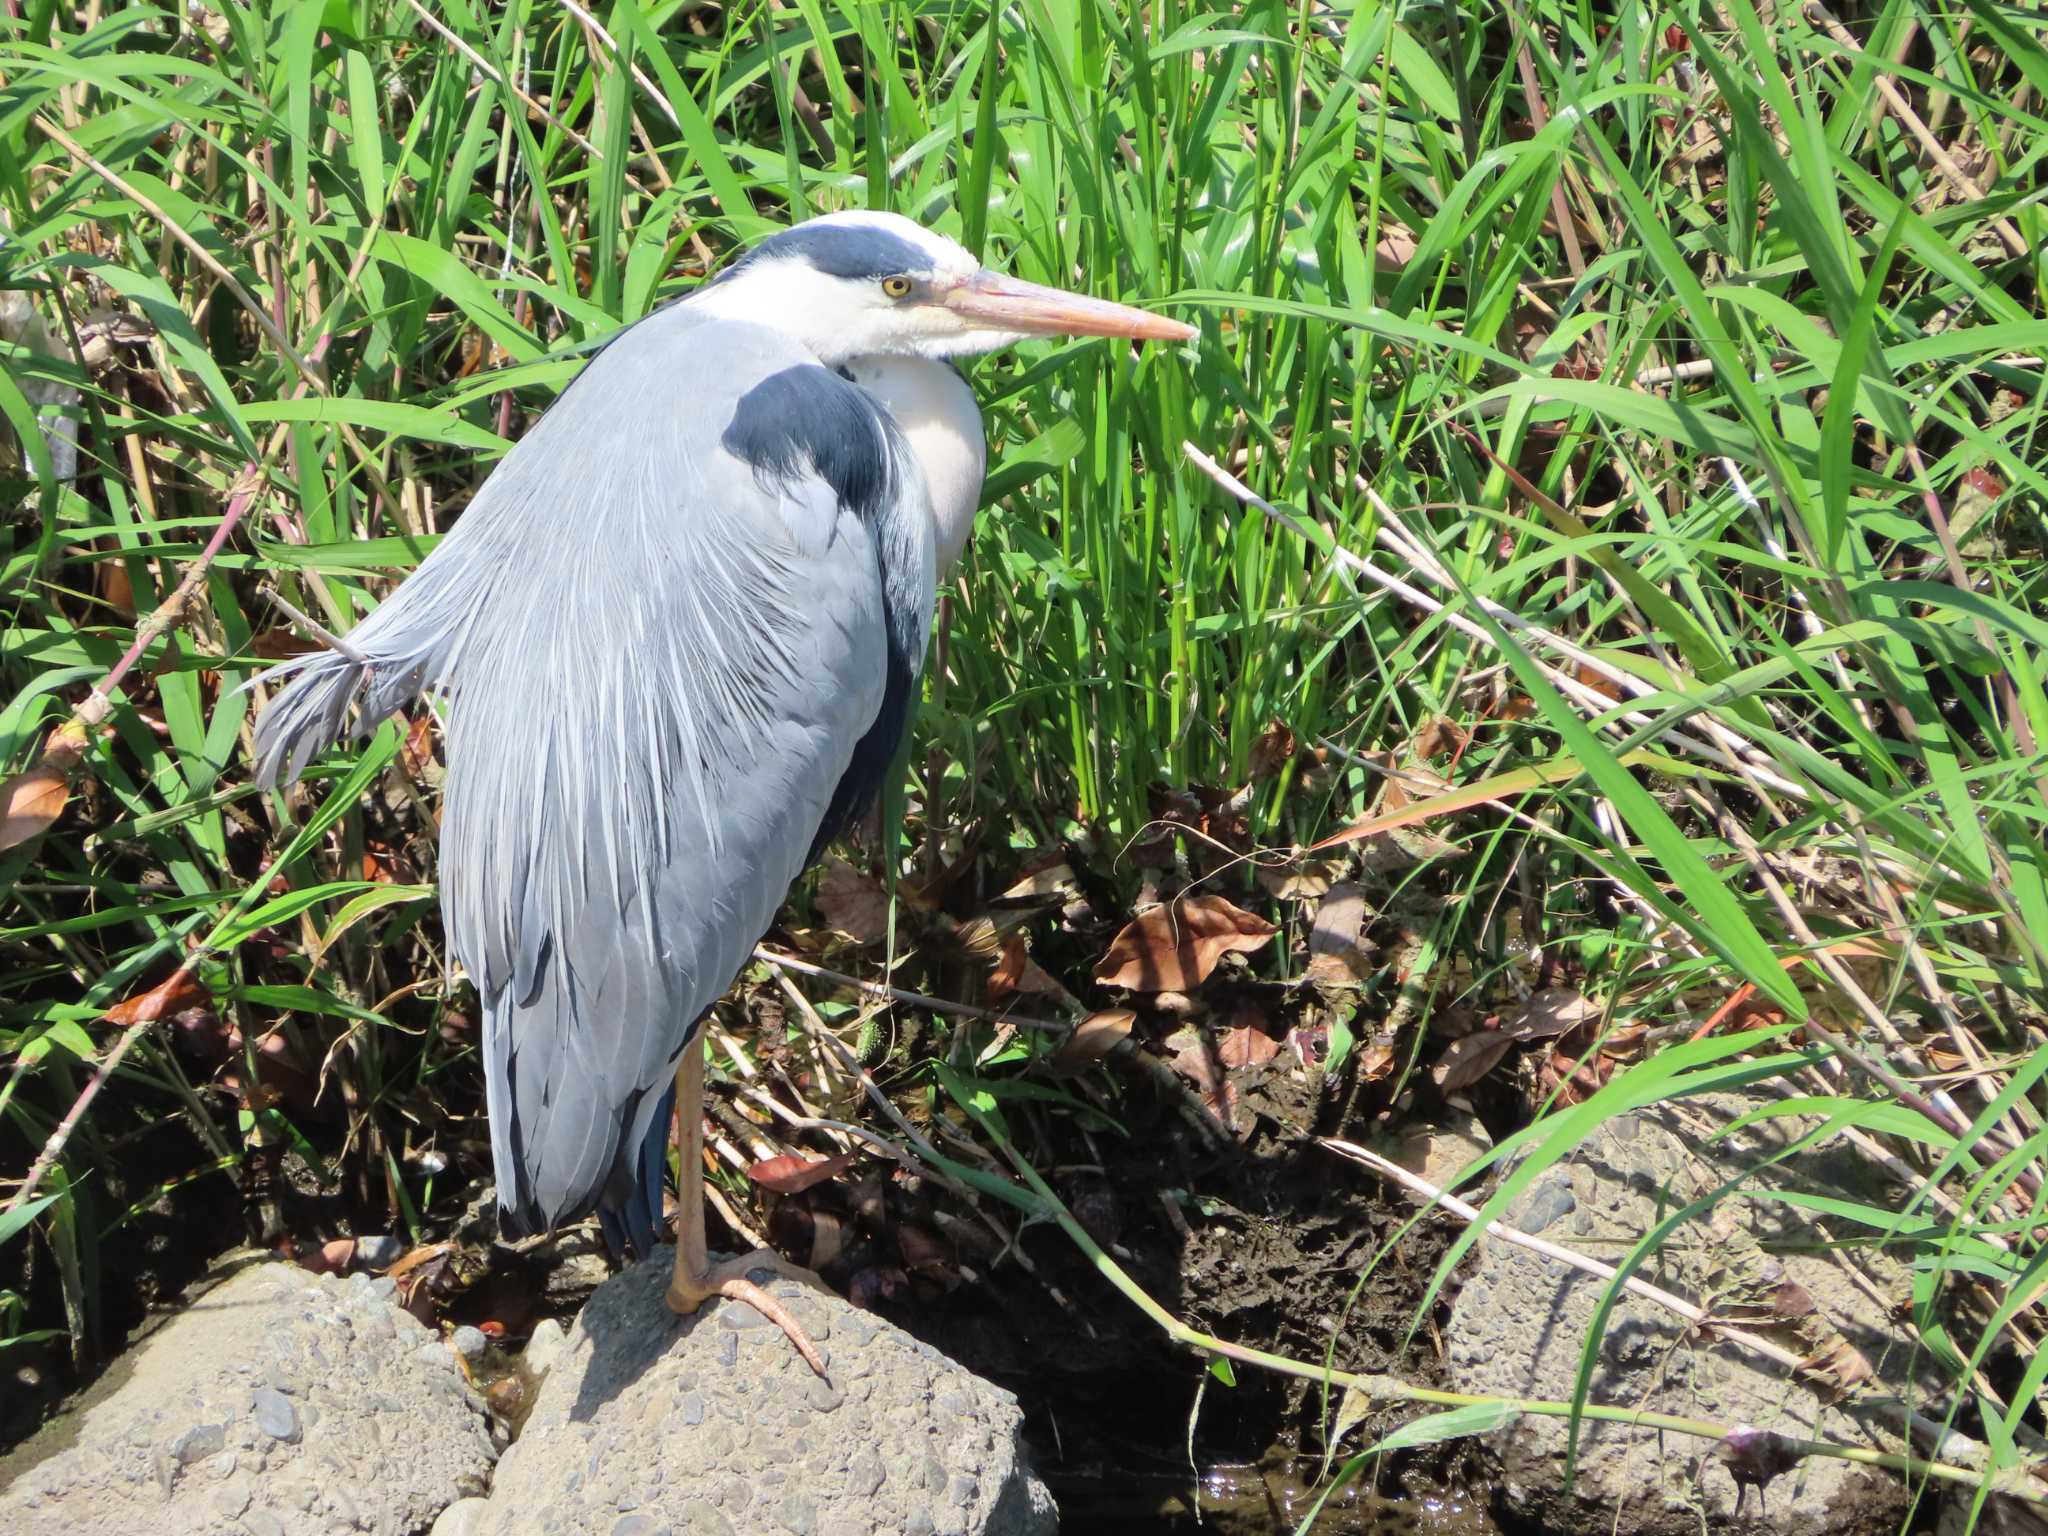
[876,284]
[887,313]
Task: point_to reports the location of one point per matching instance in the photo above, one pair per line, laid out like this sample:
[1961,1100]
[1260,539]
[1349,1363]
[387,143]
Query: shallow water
[1267,1498]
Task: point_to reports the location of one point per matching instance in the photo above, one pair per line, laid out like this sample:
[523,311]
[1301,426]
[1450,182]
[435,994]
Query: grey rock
[199,1442]
[470,1343]
[1521,1320]
[229,1419]
[275,1415]
[649,1424]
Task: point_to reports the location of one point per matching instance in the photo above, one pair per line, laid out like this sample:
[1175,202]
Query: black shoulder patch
[808,420]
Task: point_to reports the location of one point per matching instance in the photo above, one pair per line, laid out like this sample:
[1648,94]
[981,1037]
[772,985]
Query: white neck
[939,417]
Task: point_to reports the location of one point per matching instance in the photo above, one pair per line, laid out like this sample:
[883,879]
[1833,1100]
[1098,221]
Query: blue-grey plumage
[678,630]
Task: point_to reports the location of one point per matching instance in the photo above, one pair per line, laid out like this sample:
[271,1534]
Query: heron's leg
[696,1278]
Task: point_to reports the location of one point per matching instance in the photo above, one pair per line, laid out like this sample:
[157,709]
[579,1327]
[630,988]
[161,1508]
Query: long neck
[939,417]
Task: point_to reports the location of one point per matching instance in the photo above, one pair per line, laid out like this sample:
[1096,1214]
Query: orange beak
[997,303]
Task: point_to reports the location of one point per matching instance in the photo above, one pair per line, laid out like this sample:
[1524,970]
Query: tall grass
[1656,347]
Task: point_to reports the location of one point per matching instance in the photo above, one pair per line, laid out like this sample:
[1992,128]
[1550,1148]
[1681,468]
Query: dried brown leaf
[1275,745]
[852,903]
[179,991]
[30,803]
[793,1174]
[1246,1043]
[1174,947]
[1052,876]
[1093,1038]
[1842,1363]
[1550,1012]
[1301,879]
[1466,1061]
[416,753]
[1016,971]
[1335,957]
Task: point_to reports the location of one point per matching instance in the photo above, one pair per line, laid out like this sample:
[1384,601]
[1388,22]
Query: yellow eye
[896,287]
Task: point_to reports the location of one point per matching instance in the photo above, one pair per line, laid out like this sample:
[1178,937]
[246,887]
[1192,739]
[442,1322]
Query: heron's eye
[896,287]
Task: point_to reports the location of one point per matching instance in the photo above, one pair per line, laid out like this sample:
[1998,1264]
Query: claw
[728,1278]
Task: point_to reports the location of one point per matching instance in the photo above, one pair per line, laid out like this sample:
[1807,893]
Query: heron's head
[865,284]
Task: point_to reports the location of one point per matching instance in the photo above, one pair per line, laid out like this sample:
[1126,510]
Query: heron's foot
[728,1278]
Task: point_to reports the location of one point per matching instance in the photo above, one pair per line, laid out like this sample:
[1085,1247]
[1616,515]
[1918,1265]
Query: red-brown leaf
[181,990]
[1246,1043]
[30,803]
[1175,947]
[793,1174]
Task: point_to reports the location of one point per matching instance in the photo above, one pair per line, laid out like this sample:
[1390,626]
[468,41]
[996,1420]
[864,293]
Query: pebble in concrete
[280,1403]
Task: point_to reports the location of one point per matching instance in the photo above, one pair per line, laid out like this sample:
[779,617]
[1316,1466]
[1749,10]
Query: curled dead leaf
[1176,946]
[1093,1038]
[1841,1363]
[793,1174]
[179,991]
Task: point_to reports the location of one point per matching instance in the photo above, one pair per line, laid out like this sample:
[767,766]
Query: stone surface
[280,1403]
[654,1425]
[1521,1319]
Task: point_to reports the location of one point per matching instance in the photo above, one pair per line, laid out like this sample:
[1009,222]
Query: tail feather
[327,695]
[631,1213]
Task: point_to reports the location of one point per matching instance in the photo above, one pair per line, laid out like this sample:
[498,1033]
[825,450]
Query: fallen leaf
[1334,955]
[876,1283]
[828,1239]
[793,1174]
[1176,946]
[1396,248]
[1439,736]
[30,803]
[116,589]
[280,645]
[1276,744]
[416,754]
[1466,1061]
[330,1258]
[1791,1300]
[1093,1038]
[926,1254]
[852,903]
[179,991]
[1051,875]
[1246,1043]
[1195,1059]
[1301,879]
[1016,971]
[1842,1363]
[1550,1012]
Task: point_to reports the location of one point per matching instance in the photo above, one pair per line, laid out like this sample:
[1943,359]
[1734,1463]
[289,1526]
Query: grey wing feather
[660,655]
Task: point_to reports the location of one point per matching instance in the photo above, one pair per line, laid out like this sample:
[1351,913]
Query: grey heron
[678,631]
